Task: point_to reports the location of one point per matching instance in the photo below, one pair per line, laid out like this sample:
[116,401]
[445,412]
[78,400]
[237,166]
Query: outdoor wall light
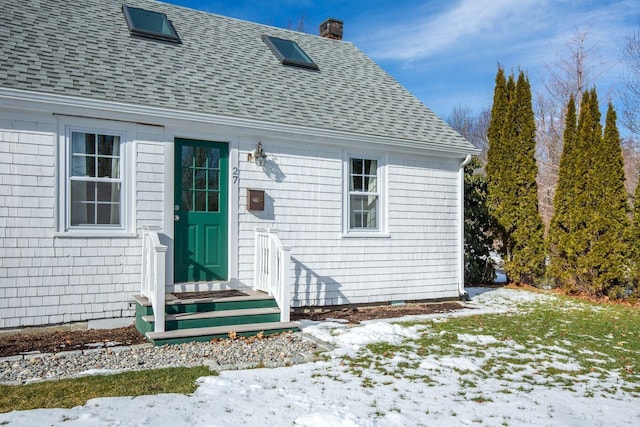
[258,155]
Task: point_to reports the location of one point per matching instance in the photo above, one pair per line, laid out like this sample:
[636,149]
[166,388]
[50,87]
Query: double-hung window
[364,195]
[94,180]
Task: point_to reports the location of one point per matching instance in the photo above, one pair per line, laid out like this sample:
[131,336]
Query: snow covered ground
[330,393]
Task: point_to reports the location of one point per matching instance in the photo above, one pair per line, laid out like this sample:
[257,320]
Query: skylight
[289,53]
[150,24]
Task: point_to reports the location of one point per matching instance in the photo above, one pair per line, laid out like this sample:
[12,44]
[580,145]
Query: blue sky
[446,51]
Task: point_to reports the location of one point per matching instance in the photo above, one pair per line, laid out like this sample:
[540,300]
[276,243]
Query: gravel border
[269,352]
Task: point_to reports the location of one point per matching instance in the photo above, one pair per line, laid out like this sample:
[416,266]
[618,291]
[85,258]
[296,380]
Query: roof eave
[64,104]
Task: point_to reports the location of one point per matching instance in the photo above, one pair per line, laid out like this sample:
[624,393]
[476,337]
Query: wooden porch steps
[202,317]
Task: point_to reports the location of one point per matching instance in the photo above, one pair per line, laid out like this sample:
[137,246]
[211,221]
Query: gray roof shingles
[83,48]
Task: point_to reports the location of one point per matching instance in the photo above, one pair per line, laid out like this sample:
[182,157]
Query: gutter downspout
[463,295]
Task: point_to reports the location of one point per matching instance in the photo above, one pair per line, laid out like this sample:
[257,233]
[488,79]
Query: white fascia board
[63,104]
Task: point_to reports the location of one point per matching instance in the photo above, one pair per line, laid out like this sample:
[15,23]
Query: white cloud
[498,28]
[465,22]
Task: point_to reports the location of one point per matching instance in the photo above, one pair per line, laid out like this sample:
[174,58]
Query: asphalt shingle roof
[83,48]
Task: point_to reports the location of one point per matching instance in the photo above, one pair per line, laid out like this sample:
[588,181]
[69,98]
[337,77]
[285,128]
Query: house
[148,150]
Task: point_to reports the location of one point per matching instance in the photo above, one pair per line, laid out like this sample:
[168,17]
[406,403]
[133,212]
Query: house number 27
[235,174]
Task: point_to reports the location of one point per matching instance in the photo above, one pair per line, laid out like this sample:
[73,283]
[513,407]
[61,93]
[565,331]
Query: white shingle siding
[305,202]
[150,186]
[47,279]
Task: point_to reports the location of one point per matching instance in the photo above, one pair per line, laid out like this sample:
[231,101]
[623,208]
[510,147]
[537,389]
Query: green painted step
[216,318]
[143,306]
[175,306]
[202,306]
[206,334]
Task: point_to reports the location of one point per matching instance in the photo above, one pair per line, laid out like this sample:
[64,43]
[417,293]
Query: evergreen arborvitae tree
[561,257]
[607,258]
[513,191]
[572,218]
[634,241]
[478,241]
[498,154]
[498,113]
[586,238]
[526,230]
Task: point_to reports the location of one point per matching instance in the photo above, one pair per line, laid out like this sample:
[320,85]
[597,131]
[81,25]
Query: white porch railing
[271,272]
[153,280]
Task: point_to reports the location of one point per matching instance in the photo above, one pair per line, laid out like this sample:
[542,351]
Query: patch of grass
[328,375]
[405,365]
[419,378]
[555,328]
[559,342]
[388,350]
[467,383]
[73,392]
[368,383]
[481,399]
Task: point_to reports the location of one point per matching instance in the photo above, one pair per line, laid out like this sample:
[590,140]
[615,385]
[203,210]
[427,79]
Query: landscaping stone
[273,351]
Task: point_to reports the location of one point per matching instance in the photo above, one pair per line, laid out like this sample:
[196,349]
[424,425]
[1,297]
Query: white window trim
[127,207]
[381,231]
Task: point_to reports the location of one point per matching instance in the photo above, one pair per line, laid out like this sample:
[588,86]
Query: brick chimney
[331,29]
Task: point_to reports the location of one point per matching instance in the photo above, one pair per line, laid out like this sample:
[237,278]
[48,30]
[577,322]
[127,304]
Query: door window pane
[200,179]
[214,158]
[187,156]
[214,180]
[200,160]
[187,200]
[187,179]
[213,202]
[201,201]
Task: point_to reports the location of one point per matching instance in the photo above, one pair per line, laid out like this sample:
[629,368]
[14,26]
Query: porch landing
[202,316]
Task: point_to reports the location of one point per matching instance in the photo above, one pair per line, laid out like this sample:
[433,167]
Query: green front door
[200,209]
